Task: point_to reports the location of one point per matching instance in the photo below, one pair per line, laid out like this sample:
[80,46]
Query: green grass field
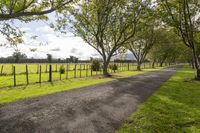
[174,108]
[7,79]
[11,94]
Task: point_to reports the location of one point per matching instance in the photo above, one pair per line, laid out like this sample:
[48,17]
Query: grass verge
[174,108]
[12,94]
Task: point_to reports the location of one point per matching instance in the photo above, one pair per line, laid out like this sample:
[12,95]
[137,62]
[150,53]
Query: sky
[48,42]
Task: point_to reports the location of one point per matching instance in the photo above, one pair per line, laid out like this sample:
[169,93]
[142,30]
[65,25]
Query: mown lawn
[174,108]
[11,94]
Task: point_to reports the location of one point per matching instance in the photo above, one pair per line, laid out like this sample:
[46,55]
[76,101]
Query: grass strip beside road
[13,94]
[174,108]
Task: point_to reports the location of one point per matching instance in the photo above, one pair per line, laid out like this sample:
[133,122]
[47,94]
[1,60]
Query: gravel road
[96,109]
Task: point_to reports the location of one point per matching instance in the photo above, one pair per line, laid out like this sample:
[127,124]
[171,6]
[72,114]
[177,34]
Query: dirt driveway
[96,109]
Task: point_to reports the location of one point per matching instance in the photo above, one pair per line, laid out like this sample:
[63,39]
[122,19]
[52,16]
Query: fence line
[52,72]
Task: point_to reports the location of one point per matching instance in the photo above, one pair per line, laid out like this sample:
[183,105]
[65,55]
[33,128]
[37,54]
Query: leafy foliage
[17,56]
[145,36]
[62,69]
[106,25]
[183,15]
[49,58]
[113,67]
[26,11]
[167,47]
[96,65]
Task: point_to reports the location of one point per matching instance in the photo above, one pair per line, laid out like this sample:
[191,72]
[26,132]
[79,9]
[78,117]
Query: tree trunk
[105,69]
[153,64]
[198,59]
[138,66]
[161,64]
[195,59]
[198,74]
[196,64]
[192,64]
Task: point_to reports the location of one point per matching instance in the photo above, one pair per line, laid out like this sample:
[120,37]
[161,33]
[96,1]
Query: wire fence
[25,74]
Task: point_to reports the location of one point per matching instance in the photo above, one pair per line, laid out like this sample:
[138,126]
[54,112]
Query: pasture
[32,74]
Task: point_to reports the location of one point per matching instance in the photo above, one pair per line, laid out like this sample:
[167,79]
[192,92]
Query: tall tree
[106,25]
[186,56]
[49,58]
[184,16]
[23,9]
[144,38]
[26,11]
[17,55]
[166,47]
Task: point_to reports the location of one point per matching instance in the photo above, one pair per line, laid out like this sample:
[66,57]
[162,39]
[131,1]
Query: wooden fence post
[114,67]
[37,68]
[67,69]
[2,69]
[128,66]
[60,74]
[46,68]
[14,74]
[12,69]
[56,68]
[27,82]
[117,67]
[50,73]
[80,71]
[101,69]
[91,70]
[75,71]
[40,74]
[132,66]
[86,70]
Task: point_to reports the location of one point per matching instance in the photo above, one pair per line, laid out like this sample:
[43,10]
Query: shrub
[95,66]
[113,67]
[62,69]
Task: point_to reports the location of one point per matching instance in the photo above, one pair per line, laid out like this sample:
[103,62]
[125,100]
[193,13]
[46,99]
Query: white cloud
[65,43]
[5,52]
[26,29]
[45,30]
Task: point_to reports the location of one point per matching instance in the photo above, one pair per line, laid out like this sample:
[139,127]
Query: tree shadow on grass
[174,108]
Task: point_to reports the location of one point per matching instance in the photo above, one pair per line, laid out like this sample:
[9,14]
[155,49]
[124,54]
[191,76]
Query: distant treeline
[124,61]
[31,60]
[28,60]
[18,57]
